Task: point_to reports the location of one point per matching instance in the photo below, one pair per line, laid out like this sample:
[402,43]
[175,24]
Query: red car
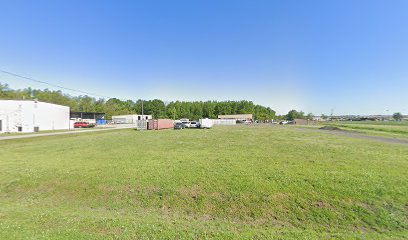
[83,125]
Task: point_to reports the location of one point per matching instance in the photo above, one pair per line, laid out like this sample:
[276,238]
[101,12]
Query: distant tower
[331,114]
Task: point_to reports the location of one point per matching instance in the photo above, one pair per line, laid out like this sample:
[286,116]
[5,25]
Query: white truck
[206,123]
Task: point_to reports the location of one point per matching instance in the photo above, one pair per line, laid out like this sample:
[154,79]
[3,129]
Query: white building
[224,122]
[238,117]
[32,116]
[130,118]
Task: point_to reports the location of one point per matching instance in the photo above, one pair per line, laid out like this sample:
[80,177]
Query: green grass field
[385,123]
[239,182]
[41,132]
[386,129]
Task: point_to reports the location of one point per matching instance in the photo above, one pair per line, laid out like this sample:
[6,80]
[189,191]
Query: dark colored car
[83,125]
[179,125]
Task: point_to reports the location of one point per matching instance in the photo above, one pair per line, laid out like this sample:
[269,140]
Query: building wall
[224,121]
[129,118]
[23,115]
[236,116]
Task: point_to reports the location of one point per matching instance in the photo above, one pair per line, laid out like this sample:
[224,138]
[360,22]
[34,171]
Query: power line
[51,84]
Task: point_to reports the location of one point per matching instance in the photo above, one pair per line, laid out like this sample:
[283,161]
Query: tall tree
[309,116]
[156,107]
[293,114]
[397,116]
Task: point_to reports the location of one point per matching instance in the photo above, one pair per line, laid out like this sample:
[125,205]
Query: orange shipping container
[157,124]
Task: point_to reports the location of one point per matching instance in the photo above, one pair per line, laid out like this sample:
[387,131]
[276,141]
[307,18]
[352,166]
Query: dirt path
[358,135]
[61,133]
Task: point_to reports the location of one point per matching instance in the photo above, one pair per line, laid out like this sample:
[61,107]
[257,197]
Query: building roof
[29,100]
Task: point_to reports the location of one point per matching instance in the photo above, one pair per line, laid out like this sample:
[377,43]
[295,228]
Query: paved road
[5,137]
[359,135]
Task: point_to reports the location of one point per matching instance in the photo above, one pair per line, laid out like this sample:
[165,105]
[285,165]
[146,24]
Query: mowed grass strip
[386,129]
[225,183]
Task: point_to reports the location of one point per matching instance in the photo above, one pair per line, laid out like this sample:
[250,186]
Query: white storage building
[133,118]
[239,117]
[224,121]
[32,116]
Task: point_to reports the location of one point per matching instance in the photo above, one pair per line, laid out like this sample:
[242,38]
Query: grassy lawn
[40,132]
[386,129]
[238,182]
[387,123]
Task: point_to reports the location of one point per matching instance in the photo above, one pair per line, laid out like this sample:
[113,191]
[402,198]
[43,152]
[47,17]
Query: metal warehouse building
[130,118]
[89,117]
[32,116]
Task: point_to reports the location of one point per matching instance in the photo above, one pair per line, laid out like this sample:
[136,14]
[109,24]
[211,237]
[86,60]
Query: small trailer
[206,123]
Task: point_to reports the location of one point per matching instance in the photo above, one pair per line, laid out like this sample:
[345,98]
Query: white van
[206,123]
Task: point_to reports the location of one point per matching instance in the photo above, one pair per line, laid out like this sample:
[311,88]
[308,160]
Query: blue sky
[346,55]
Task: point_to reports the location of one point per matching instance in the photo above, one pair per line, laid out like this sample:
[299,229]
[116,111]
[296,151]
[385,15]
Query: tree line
[155,107]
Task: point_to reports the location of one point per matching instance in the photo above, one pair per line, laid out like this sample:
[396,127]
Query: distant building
[224,121]
[89,117]
[318,118]
[32,116]
[238,117]
[300,121]
[133,118]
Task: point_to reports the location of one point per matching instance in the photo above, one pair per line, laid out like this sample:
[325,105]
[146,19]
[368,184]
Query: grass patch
[387,129]
[4,134]
[237,182]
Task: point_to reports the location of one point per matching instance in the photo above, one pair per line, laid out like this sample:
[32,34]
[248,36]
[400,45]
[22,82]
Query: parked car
[179,125]
[186,124]
[83,125]
[286,122]
[194,124]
